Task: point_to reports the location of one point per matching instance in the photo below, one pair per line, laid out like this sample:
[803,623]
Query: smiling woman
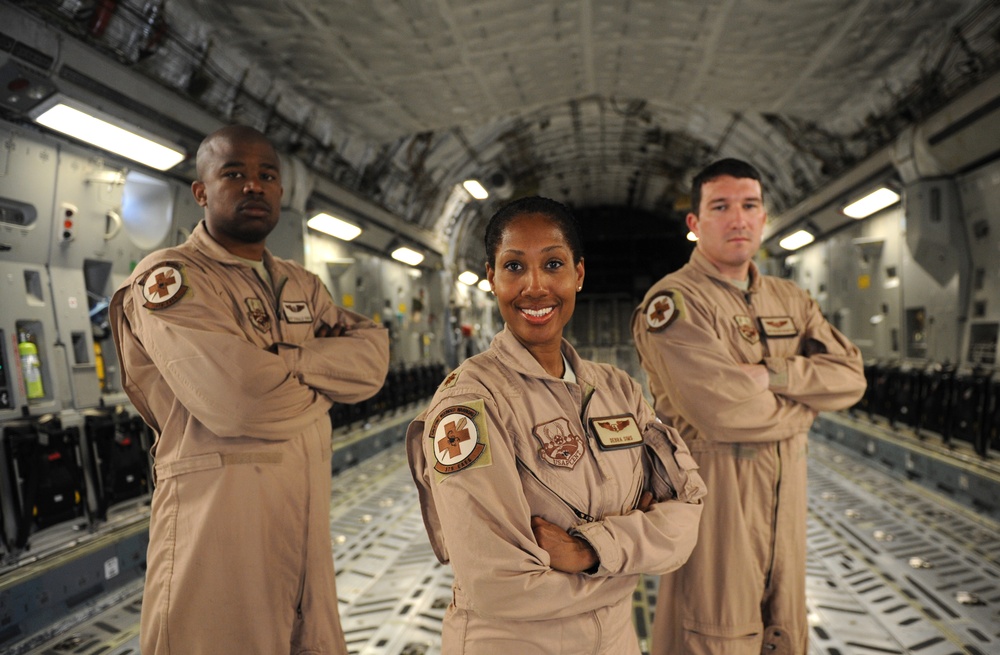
[535,270]
[508,456]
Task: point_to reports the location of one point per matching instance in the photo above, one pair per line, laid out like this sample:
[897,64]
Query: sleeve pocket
[672,469]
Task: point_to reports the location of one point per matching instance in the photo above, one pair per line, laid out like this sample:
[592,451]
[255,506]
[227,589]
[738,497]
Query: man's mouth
[255,207]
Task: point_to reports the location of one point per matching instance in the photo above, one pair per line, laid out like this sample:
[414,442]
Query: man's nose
[252,186]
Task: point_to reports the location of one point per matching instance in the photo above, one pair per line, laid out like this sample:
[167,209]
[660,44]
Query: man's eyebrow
[239,164]
[731,199]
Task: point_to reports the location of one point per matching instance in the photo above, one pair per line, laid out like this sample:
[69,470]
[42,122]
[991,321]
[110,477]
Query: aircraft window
[147,207]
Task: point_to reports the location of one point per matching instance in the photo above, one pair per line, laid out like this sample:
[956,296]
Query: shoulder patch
[163,285]
[458,439]
[663,309]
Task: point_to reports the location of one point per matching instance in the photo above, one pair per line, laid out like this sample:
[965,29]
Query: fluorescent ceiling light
[796,240]
[108,133]
[484,285]
[873,202]
[692,236]
[407,256]
[334,226]
[476,189]
[468,277]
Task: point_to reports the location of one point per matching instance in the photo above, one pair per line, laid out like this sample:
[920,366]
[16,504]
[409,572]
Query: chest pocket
[600,484]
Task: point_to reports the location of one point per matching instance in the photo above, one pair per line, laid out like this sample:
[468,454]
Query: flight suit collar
[203,241]
[512,353]
[701,263]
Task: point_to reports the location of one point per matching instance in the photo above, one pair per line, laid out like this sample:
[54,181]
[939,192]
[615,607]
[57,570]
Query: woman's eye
[555,263]
[512,266]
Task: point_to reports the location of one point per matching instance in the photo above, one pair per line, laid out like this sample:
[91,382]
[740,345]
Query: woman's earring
[580,288]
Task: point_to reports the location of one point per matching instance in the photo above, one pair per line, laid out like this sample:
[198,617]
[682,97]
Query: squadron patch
[296,311]
[163,285]
[560,447]
[458,439]
[747,329]
[613,432]
[663,309]
[257,315]
[778,327]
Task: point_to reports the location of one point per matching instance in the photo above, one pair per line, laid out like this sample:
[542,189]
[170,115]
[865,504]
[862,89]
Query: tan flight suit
[743,590]
[502,441]
[232,379]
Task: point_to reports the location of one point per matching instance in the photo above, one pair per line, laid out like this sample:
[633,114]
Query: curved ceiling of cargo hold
[597,104]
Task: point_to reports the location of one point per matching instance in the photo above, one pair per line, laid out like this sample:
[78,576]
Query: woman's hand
[567,553]
[324,330]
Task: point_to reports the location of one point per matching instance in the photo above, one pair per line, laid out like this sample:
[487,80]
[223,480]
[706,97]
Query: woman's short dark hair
[732,167]
[556,211]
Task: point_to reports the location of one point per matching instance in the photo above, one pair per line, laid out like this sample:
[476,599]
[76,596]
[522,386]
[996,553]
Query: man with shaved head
[234,357]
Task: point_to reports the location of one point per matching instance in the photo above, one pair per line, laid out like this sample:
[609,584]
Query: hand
[758,374]
[645,501]
[566,553]
[324,330]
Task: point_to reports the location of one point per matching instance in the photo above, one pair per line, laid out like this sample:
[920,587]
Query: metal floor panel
[891,569]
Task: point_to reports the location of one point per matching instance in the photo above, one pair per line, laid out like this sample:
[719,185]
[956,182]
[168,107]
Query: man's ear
[198,191]
[692,222]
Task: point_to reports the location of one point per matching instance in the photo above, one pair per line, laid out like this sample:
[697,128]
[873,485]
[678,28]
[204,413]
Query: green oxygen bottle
[31,368]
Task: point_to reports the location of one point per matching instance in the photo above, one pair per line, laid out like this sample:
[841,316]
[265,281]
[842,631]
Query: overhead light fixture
[334,226]
[873,202]
[475,189]
[484,285]
[468,277]
[691,236]
[407,256]
[796,240]
[97,128]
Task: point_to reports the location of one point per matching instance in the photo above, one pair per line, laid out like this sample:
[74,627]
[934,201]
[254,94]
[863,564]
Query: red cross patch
[662,310]
[457,441]
[163,285]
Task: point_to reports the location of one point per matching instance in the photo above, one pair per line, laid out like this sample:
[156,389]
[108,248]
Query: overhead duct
[959,137]
[42,55]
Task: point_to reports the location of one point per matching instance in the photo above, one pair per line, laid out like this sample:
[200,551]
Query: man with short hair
[740,363]
[234,358]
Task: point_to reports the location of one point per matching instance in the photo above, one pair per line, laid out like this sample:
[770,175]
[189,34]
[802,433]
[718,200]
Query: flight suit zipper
[748,297]
[583,516]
